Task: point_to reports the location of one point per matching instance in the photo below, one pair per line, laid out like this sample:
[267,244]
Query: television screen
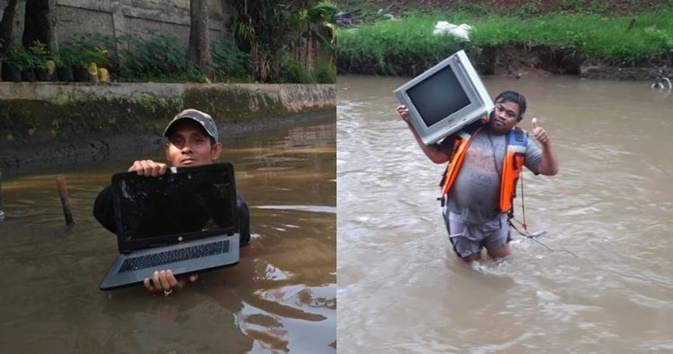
[445,98]
[438,96]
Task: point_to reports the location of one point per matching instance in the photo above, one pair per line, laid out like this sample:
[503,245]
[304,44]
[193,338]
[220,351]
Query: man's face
[504,117]
[190,145]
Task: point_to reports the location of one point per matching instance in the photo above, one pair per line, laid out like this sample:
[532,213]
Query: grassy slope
[389,47]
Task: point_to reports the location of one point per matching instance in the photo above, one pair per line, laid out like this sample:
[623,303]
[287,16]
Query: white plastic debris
[461,31]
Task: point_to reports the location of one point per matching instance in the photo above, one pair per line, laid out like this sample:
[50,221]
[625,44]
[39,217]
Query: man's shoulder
[473,127]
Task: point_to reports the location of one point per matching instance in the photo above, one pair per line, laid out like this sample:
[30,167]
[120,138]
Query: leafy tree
[271,30]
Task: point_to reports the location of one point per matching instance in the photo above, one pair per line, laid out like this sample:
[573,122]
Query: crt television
[445,98]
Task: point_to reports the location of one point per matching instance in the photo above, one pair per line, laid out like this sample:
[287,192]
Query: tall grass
[294,72]
[401,46]
[389,47]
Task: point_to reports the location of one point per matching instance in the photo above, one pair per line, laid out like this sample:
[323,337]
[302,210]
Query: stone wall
[40,122]
[75,17]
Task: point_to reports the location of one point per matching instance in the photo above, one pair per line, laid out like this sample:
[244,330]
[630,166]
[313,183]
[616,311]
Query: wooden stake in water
[65,201]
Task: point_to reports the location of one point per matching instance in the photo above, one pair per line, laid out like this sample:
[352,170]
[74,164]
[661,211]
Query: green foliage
[65,56]
[529,8]
[152,56]
[325,73]
[571,5]
[472,9]
[295,72]
[392,47]
[43,55]
[322,18]
[22,58]
[95,55]
[228,61]
[322,12]
[92,48]
[270,29]
[599,7]
[407,46]
[40,51]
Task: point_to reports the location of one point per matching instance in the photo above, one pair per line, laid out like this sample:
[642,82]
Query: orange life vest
[513,163]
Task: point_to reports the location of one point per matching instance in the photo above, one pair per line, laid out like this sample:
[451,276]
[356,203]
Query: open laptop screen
[174,207]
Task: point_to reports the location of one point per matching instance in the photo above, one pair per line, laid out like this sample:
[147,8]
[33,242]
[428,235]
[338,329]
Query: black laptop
[185,221]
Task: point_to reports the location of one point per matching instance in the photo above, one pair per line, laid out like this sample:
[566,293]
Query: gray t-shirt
[475,194]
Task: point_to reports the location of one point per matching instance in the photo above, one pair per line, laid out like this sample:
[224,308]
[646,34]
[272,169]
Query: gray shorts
[468,239]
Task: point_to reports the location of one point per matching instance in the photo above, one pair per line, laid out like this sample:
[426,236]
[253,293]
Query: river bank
[503,41]
[44,124]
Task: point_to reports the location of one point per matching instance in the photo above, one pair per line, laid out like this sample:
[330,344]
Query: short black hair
[513,96]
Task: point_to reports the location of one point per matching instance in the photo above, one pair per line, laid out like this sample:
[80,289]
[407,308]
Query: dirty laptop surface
[185,221]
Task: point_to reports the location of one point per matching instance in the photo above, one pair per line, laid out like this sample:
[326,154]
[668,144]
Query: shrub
[228,61]
[22,58]
[325,73]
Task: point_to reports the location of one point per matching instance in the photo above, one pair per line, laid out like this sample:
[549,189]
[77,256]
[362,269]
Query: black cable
[528,234]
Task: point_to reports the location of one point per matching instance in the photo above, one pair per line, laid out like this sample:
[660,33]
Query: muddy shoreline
[524,60]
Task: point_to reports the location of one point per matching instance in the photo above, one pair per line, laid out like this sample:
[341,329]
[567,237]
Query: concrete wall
[39,120]
[75,17]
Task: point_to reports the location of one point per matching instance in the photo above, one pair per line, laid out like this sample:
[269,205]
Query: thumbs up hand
[539,133]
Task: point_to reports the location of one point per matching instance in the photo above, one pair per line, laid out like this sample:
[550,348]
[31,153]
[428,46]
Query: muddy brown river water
[280,297]
[400,287]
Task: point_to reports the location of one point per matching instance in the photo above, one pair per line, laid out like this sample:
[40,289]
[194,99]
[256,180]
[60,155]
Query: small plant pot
[92,68]
[65,74]
[103,75]
[28,75]
[10,73]
[80,74]
[42,74]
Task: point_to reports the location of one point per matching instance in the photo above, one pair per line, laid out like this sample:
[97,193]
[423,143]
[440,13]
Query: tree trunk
[309,56]
[199,40]
[39,23]
[6,26]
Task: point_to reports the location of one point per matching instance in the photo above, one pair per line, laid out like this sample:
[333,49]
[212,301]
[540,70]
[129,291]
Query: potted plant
[79,72]
[95,59]
[45,65]
[22,60]
[65,59]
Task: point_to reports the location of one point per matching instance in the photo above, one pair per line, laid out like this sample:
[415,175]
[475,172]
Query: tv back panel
[445,98]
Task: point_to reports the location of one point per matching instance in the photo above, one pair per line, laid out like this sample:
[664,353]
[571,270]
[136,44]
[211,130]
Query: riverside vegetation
[559,41]
[156,57]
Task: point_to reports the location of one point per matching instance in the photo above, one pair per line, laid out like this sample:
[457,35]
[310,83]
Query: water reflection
[280,297]
[401,288]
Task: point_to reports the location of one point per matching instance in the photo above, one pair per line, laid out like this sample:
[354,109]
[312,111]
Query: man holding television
[485,160]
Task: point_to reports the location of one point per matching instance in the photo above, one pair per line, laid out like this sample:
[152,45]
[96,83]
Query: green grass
[391,47]
[387,45]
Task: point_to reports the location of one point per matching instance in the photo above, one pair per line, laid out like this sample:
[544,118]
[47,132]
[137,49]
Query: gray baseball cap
[202,118]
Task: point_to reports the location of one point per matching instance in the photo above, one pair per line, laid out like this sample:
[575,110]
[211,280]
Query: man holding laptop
[485,161]
[192,141]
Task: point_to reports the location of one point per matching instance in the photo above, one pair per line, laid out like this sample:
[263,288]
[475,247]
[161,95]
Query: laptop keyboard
[181,254]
